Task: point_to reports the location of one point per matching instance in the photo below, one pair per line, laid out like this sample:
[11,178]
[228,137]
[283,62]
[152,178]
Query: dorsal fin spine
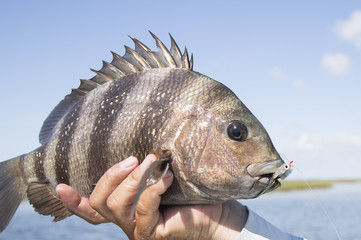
[111,71]
[122,64]
[145,52]
[87,85]
[100,77]
[191,62]
[137,60]
[185,59]
[165,52]
[175,52]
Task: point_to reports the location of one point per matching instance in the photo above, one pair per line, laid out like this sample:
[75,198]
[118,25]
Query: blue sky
[296,65]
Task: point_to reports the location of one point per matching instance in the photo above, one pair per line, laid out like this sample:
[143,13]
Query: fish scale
[145,102]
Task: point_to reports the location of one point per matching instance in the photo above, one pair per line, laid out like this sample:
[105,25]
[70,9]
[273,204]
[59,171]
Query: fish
[146,101]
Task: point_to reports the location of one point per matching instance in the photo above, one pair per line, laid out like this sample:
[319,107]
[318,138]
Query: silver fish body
[145,102]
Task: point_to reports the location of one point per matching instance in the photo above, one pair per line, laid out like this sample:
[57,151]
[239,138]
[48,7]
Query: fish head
[225,153]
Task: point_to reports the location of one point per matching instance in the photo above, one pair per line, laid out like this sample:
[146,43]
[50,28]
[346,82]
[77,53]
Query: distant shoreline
[315,184]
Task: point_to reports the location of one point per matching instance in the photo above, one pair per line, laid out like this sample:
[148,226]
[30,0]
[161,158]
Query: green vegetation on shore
[315,184]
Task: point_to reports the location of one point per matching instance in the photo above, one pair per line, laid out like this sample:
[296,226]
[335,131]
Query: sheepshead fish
[145,102]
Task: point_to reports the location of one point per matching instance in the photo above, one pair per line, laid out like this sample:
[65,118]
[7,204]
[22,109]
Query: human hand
[114,194]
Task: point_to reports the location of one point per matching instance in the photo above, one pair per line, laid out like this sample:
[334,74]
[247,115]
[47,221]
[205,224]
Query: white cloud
[308,142]
[298,84]
[349,139]
[337,64]
[333,156]
[350,29]
[276,73]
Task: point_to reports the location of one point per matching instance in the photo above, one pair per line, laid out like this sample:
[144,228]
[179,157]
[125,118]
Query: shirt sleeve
[257,228]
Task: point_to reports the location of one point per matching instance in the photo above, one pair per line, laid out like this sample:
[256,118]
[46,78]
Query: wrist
[233,219]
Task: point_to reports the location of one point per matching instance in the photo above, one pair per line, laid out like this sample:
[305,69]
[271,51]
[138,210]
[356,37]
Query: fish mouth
[263,173]
[269,182]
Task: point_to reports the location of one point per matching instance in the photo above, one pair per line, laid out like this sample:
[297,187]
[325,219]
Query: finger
[121,200]
[109,182]
[147,213]
[78,205]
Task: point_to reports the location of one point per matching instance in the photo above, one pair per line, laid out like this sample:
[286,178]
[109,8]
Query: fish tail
[12,188]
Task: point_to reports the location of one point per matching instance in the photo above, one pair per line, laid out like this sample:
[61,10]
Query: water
[302,213]
[299,213]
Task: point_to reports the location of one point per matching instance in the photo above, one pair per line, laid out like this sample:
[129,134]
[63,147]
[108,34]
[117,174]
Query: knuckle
[151,236]
[134,178]
[94,218]
[139,236]
[112,203]
[93,222]
[131,183]
[94,202]
[141,210]
[162,235]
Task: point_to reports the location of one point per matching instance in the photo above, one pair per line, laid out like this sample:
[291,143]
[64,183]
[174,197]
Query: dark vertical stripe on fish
[65,143]
[39,163]
[159,109]
[111,105]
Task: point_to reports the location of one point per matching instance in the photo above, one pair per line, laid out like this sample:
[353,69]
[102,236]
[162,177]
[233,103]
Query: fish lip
[263,173]
[262,169]
[273,184]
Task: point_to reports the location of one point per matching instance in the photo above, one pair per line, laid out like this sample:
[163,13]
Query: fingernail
[147,162]
[129,162]
[168,178]
[168,174]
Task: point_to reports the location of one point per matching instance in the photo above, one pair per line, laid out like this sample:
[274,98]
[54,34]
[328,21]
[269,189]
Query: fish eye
[237,131]
[286,166]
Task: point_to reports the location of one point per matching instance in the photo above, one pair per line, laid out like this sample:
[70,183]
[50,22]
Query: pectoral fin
[151,176]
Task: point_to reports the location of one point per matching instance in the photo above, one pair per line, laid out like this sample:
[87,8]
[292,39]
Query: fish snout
[264,168]
[264,173]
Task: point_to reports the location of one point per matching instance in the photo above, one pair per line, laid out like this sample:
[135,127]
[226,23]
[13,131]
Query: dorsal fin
[139,59]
